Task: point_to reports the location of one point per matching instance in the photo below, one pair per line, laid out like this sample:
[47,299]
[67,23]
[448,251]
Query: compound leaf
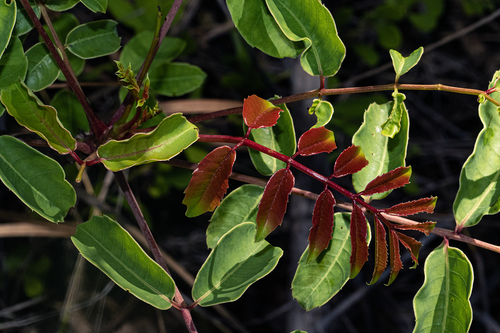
[36,179]
[234,264]
[30,112]
[272,207]
[110,248]
[93,39]
[322,224]
[209,181]
[350,161]
[442,303]
[169,138]
[239,206]
[316,141]
[388,181]
[310,21]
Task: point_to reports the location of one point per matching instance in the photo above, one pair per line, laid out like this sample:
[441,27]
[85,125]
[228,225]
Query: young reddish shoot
[358,229]
[394,256]
[272,206]
[315,141]
[380,250]
[388,181]
[426,205]
[259,113]
[425,227]
[209,182]
[411,245]
[322,224]
[350,161]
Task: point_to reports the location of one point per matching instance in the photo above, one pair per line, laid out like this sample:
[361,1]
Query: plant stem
[97,126]
[352,90]
[134,206]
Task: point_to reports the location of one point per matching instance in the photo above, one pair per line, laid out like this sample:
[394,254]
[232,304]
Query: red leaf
[315,141]
[388,181]
[425,227]
[359,252]
[412,245]
[350,161]
[258,112]
[272,206]
[321,231]
[413,207]
[394,256]
[209,181]
[380,251]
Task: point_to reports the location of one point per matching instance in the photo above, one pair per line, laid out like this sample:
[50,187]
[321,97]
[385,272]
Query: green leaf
[176,78]
[383,153]
[110,248]
[71,113]
[316,282]
[139,14]
[8,15]
[30,112]
[257,26]
[42,68]
[13,64]
[280,137]
[403,64]
[62,25]
[136,50]
[60,5]
[311,22]
[96,5]
[479,189]
[36,179]
[323,111]
[442,303]
[173,135]
[234,264]
[23,21]
[392,125]
[239,206]
[94,39]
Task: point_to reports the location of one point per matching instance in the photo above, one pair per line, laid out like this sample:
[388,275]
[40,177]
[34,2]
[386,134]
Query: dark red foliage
[321,231]
[412,245]
[316,141]
[388,181]
[425,227]
[394,256]
[380,251]
[358,229]
[413,207]
[258,112]
[350,161]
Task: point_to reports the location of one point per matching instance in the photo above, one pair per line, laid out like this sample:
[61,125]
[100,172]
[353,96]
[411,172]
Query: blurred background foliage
[43,290]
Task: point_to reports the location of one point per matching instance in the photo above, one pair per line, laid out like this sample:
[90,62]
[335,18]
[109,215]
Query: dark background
[38,274]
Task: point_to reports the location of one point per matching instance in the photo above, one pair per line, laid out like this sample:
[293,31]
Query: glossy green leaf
[169,138]
[42,68]
[442,303]
[176,78]
[139,14]
[323,111]
[23,21]
[13,64]
[36,179]
[71,113]
[280,137]
[136,50]
[383,153]
[403,64]
[239,206]
[110,248]
[316,282]
[255,23]
[479,190]
[30,112]
[96,5]
[234,264]
[8,13]
[311,22]
[62,25]
[94,39]
[393,124]
[60,5]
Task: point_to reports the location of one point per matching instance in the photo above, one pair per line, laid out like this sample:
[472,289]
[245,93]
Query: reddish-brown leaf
[413,207]
[388,181]
[380,251]
[272,206]
[350,161]
[412,245]
[315,141]
[425,227]
[322,224]
[209,181]
[358,229]
[394,256]
[258,112]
